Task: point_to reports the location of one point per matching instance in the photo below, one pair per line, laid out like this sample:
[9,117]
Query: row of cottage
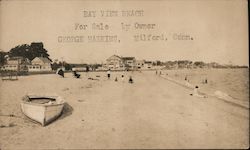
[116,62]
[43,64]
[38,64]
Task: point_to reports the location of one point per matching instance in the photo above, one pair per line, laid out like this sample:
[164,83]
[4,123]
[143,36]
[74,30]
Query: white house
[15,64]
[40,64]
[114,62]
[140,64]
[79,67]
[129,62]
[148,65]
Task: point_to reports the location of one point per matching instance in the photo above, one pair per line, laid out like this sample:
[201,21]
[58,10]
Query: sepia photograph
[124,74]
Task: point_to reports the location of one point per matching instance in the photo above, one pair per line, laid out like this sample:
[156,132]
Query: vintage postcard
[124,74]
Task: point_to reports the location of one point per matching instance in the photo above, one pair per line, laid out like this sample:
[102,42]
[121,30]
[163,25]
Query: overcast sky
[219,29]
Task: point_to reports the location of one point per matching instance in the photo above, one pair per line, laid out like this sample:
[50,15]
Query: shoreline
[229,100]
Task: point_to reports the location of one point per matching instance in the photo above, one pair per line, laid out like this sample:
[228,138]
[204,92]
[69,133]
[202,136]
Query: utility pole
[62,61]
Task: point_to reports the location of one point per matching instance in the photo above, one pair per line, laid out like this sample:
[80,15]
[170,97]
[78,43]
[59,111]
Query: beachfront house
[129,62]
[40,64]
[148,64]
[114,62]
[79,67]
[140,64]
[18,64]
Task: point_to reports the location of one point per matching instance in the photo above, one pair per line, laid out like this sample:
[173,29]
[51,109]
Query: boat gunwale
[44,105]
[43,96]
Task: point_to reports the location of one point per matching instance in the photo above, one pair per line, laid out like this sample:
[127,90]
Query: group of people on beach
[122,77]
[194,93]
[197,94]
[195,90]
[61,73]
[77,75]
[156,72]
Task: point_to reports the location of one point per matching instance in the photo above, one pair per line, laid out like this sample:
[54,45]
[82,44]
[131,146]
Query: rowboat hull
[42,113]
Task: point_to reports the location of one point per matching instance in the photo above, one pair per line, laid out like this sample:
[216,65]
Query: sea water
[231,82]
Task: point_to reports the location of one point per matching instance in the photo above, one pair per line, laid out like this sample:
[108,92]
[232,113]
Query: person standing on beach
[196,93]
[130,80]
[108,73]
[122,78]
[205,80]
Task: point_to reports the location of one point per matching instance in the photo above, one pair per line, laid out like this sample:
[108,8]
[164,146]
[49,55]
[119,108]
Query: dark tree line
[2,57]
[197,64]
[56,65]
[26,51]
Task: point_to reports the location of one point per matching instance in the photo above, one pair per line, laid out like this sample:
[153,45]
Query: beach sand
[150,113]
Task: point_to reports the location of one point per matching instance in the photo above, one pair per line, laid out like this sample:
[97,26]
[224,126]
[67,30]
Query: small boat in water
[42,108]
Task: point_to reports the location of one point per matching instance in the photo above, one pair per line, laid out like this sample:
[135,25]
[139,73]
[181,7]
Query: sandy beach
[150,113]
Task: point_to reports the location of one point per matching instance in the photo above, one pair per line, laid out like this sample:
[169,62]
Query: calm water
[234,82]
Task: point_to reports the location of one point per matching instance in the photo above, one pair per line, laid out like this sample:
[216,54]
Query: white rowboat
[41,108]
